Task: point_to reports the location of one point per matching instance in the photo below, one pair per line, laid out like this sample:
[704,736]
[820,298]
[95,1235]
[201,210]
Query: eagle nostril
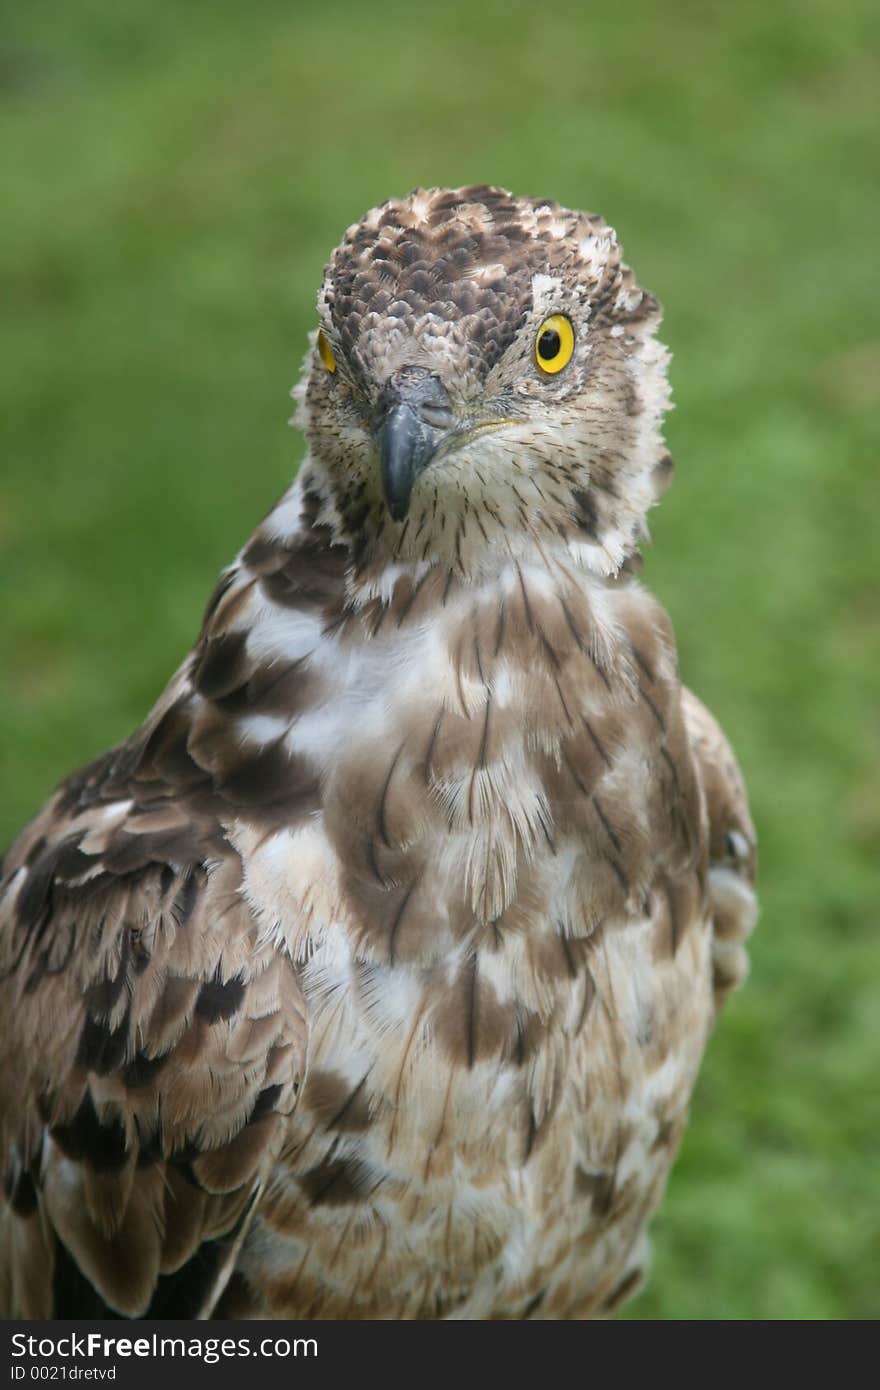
[422,390]
[438,415]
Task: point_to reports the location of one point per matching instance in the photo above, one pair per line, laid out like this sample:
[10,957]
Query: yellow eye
[554,344]
[326,351]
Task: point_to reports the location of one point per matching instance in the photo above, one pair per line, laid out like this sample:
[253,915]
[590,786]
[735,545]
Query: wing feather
[150,1043]
[732,847]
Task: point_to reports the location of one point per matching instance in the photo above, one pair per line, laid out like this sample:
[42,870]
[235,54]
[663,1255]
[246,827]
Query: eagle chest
[497,1013]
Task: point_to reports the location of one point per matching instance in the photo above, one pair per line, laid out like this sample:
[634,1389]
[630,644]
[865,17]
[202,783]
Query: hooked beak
[413,415]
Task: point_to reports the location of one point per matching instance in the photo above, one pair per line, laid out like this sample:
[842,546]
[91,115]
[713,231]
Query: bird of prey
[371,976]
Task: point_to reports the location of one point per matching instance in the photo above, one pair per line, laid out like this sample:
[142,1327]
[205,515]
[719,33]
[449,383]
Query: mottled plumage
[371,977]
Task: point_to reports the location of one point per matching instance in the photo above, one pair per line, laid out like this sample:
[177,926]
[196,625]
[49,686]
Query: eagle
[371,977]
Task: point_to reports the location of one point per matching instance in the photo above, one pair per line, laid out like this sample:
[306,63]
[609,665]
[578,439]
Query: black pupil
[549,344]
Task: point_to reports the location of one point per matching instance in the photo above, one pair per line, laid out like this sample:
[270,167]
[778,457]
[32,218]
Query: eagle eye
[554,344]
[326,351]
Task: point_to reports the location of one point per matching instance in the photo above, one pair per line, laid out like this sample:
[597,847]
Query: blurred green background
[175,177]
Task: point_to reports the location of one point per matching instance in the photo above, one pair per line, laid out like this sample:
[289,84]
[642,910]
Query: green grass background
[175,176]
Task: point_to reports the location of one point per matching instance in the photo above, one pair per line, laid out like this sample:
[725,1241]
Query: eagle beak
[413,416]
